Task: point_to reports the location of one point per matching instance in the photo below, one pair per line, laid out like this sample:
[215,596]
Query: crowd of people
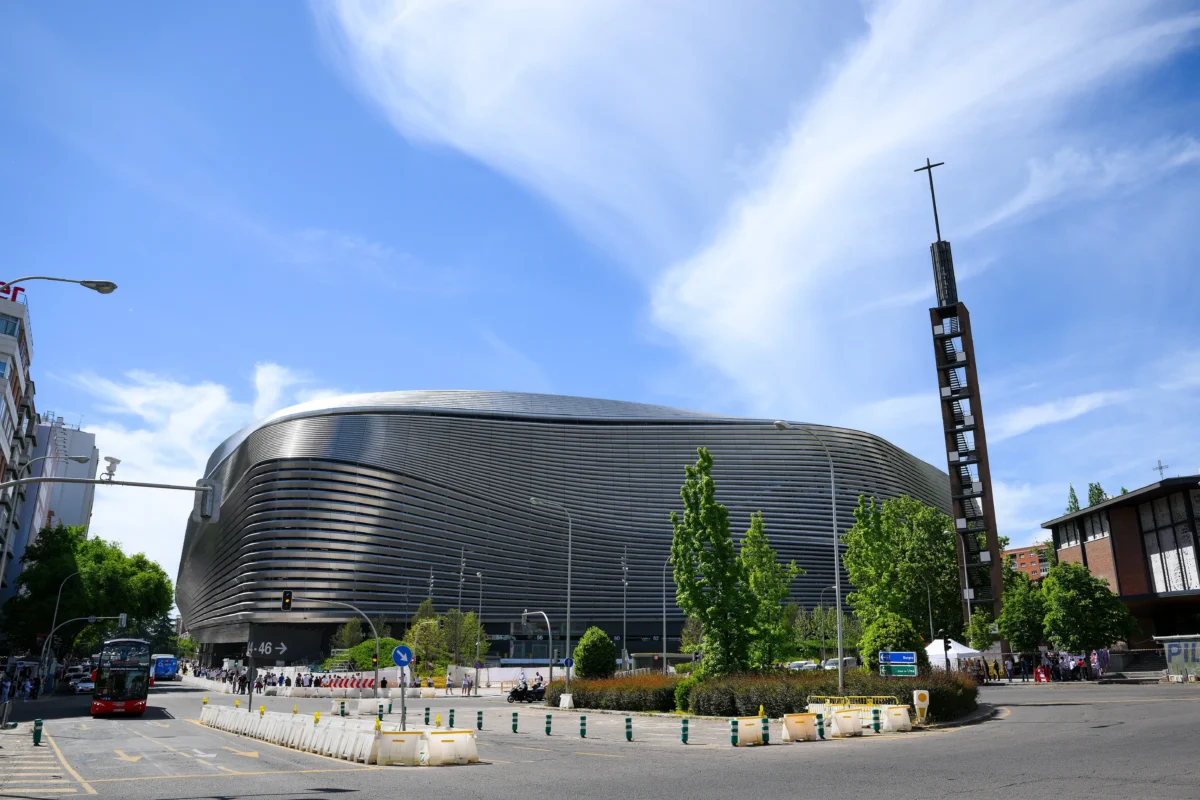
[1049,665]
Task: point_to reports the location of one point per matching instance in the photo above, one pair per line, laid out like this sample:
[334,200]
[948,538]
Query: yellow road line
[522,747]
[602,755]
[71,770]
[51,791]
[235,774]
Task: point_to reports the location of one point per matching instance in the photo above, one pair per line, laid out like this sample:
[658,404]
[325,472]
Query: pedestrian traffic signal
[287,601]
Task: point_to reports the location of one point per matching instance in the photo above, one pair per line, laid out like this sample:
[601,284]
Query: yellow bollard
[262,710]
[377,725]
[293,708]
[317,718]
[206,701]
[237,703]
[437,721]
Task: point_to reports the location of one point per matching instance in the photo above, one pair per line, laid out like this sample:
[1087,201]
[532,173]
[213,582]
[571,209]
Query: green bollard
[389,706]
[451,725]
[37,732]
[514,722]
[875,719]
[479,720]
[820,726]
[547,724]
[766,731]
[733,732]
[683,730]
[426,715]
[629,729]
[582,726]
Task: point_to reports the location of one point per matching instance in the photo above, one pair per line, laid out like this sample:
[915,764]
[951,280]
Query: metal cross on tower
[929,168]
[1161,468]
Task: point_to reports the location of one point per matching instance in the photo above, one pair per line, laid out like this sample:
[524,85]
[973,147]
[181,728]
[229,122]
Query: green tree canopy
[360,656]
[1095,494]
[691,637]
[1022,617]
[347,635]
[427,639]
[110,583]
[710,580]
[890,631]
[1082,613]
[979,633]
[1072,500]
[595,655]
[770,583]
[901,557]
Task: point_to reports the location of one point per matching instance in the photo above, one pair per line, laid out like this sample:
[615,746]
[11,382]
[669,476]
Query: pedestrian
[1024,668]
[1008,668]
[449,681]
[37,687]
[383,683]
[466,684]
[5,688]
[26,688]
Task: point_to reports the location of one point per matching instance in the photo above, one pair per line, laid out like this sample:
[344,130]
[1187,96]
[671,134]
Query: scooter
[529,694]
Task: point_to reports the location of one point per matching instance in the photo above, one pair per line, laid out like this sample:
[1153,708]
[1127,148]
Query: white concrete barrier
[800,727]
[847,723]
[400,747]
[450,747]
[749,731]
[896,718]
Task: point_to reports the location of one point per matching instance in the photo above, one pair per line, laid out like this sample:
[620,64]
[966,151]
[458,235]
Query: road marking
[121,756]
[215,731]
[159,724]
[83,727]
[227,769]
[63,790]
[522,747]
[70,770]
[246,753]
[1006,711]
[209,775]
[203,755]
[601,755]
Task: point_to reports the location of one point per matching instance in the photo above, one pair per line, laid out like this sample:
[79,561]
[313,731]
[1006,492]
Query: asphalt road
[1061,741]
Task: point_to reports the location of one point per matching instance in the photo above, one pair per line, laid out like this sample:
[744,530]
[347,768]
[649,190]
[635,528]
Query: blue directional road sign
[402,655]
[569,662]
[898,657]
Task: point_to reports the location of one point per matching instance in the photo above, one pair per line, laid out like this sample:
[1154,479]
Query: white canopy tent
[937,653]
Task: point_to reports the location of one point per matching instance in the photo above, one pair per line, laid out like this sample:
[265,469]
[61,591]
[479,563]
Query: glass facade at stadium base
[373,499]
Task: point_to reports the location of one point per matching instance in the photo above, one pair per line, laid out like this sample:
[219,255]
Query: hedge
[950,695]
[639,693]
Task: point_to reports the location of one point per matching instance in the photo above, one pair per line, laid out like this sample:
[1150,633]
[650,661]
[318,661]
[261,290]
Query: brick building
[1144,544]
[1031,560]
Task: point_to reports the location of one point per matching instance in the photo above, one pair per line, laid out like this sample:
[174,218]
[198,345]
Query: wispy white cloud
[1021,508]
[1073,173]
[1022,420]
[164,430]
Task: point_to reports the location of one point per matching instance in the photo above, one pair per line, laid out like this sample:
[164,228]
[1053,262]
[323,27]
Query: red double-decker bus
[122,677]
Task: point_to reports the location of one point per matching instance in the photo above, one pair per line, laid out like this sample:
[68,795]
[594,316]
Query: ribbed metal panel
[358,498]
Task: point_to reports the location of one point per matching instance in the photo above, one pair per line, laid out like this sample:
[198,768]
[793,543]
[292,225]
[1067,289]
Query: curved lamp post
[837,557]
[103,287]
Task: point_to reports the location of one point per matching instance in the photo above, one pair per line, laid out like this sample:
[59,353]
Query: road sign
[283,642]
[478,665]
[276,648]
[404,656]
[898,670]
[897,657]
[568,662]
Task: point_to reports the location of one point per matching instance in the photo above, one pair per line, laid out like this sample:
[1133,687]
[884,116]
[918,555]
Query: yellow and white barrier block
[800,727]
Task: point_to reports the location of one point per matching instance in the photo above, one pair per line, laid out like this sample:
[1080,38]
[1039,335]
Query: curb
[983,713]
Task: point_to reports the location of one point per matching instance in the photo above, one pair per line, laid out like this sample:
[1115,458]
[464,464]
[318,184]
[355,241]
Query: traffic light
[121,620]
[287,601]
[374,660]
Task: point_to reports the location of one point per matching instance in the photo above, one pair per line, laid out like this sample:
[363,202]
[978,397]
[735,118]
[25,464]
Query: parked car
[849,662]
[84,686]
[803,665]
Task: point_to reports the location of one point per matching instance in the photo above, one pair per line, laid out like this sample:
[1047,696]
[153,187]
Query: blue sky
[618,199]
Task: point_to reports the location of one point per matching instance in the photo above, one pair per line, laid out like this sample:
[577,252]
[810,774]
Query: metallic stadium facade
[373,499]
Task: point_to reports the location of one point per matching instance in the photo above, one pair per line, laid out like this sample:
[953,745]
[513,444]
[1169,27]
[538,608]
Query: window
[1170,544]
[9,325]
[3,368]
[1095,526]
[1066,535]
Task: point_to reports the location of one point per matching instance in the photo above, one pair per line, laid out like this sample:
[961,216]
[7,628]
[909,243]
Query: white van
[848,662]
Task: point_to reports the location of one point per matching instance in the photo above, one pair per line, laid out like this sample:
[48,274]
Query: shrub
[361,654]
[686,668]
[639,693]
[683,692]
[595,655]
[891,632]
[951,695]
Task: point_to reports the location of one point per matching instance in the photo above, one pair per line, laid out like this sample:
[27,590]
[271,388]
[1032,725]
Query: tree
[1082,613]
[1124,490]
[1022,617]
[691,637]
[382,627]
[1072,500]
[461,632]
[427,639]
[901,558]
[710,580]
[770,583]
[188,647]
[361,656]
[889,631]
[979,633]
[109,583]
[595,655]
[347,635]
[1096,494]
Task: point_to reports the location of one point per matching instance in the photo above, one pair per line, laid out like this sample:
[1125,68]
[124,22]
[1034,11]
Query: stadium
[382,500]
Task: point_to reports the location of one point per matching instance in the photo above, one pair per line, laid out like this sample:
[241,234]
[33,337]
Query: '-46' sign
[266,648]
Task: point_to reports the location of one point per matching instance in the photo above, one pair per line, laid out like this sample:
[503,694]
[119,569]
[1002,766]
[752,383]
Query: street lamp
[103,287]
[478,630]
[666,564]
[837,557]
[54,619]
[823,591]
[535,501]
